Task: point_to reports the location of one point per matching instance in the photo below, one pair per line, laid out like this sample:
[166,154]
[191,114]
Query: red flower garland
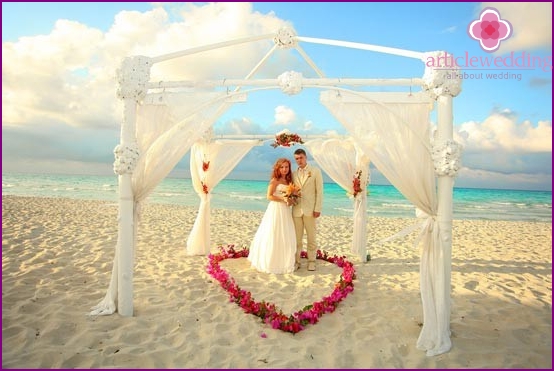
[356,183]
[268,312]
[204,188]
[286,140]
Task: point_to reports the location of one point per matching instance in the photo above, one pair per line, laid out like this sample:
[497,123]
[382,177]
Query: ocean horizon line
[250,195]
[267,180]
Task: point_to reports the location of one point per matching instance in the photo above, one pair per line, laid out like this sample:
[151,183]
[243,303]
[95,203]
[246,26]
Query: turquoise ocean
[383,201]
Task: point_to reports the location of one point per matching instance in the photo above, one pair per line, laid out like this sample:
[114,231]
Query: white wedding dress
[274,246]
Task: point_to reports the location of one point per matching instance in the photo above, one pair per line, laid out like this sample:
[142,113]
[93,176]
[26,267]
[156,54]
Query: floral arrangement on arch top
[286,139]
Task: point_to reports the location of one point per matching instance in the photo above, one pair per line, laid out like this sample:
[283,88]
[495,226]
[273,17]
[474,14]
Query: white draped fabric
[167,125]
[341,159]
[394,133]
[210,162]
[165,133]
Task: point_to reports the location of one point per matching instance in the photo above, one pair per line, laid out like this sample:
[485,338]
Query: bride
[274,246]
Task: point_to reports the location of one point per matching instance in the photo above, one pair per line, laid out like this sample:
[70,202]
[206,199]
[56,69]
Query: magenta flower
[490,29]
[268,312]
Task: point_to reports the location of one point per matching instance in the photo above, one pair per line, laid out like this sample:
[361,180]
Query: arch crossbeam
[294,44]
[275,82]
[370,47]
[204,48]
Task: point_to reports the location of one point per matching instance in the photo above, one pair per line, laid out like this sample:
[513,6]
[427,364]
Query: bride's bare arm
[271,190]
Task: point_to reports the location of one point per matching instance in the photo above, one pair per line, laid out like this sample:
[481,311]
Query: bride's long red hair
[277,173]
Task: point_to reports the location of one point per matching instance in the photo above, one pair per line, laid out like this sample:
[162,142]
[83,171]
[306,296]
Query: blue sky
[60,114]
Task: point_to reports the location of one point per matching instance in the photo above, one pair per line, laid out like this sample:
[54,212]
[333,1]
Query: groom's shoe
[311,266]
[296,266]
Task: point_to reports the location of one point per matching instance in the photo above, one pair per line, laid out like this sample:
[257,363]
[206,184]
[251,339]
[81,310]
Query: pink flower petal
[269,313]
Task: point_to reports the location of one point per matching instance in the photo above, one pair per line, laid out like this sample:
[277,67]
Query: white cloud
[284,115]
[64,81]
[490,179]
[68,75]
[501,132]
[59,107]
[500,147]
[531,22]
[450,29]
[243,126]
[57,77]
[540,82]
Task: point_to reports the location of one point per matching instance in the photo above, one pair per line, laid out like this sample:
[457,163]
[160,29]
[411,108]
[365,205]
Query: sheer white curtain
[165,133]
[210,162]
[166,127]
[395,135]
[341,159]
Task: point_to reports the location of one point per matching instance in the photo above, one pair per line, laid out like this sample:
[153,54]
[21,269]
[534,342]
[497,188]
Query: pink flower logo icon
[490,29]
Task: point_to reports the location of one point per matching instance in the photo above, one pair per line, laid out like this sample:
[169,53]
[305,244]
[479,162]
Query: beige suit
[311,185]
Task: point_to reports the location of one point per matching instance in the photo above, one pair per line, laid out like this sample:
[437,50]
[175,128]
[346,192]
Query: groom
[308,208]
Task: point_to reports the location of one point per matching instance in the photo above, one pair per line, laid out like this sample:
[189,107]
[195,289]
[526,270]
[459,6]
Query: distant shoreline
[250,195]
[216,210]
[264,180]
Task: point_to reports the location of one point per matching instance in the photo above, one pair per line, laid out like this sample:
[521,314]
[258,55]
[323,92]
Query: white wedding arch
[165,120]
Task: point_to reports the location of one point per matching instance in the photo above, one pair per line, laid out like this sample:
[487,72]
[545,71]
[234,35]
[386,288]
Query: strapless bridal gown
[274,246]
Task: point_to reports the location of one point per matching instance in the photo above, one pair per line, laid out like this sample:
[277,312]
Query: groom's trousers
[306,223]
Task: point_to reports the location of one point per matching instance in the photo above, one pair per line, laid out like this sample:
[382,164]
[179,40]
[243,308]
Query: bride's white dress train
[274,246]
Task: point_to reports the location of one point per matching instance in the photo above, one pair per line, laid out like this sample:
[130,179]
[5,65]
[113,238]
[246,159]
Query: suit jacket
[311,188]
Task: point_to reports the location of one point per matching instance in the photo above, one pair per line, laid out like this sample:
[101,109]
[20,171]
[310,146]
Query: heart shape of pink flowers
[269,312]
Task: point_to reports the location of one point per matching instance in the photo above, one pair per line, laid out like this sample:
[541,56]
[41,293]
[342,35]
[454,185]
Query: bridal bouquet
[292,192]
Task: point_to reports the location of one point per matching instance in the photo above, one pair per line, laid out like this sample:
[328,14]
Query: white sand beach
[57,258]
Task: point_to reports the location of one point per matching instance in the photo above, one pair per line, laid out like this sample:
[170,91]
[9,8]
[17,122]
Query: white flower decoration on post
[133,76]
[285,39]
[126,157]
[442,75]
[447,158]
[290,82]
